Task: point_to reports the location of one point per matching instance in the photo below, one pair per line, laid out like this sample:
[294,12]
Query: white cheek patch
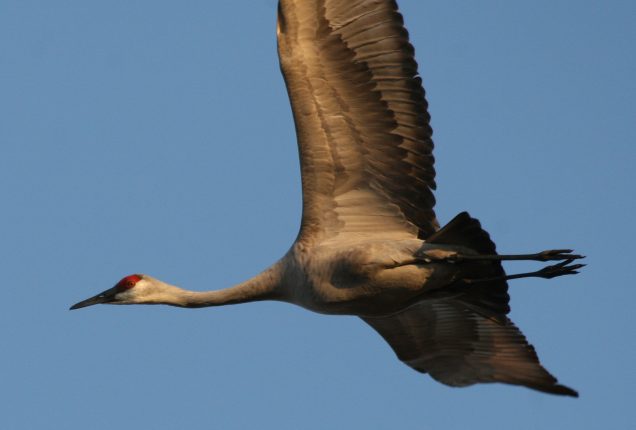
[142,292]
[127,296]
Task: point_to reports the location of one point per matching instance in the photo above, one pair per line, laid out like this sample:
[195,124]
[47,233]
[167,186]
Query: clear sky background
[156,137]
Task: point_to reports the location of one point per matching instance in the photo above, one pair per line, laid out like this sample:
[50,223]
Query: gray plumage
[370,244]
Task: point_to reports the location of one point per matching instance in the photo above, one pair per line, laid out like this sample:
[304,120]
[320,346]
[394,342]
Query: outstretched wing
[361,120]
[460,347]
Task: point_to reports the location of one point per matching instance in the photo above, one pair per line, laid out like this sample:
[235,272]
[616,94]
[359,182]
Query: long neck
[264,286]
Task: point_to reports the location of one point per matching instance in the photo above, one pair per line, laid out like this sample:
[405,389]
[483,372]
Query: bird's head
[133,289]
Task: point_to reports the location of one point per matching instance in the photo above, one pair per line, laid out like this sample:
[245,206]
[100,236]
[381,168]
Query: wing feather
[361,120]
[460,347]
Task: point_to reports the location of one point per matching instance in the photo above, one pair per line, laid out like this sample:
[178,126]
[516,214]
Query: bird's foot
[563,268]
[557,254]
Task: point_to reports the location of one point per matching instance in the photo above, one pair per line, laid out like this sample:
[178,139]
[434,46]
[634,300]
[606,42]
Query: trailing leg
[457,257]
[548,272]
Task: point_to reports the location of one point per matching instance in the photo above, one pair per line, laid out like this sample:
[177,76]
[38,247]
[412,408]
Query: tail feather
[466,231]
[489,299]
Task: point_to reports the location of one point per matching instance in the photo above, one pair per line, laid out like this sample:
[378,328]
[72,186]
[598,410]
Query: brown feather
[361,119]
[459,347]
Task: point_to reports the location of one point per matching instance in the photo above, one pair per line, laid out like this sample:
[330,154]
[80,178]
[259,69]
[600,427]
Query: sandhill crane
[369,243]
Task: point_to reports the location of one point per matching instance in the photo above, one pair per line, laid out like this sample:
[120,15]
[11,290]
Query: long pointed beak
[103,297]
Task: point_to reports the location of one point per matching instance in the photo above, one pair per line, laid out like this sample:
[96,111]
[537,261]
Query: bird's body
[370,244]
[365,278]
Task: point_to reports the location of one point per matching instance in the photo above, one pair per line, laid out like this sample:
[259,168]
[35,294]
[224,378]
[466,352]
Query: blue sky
[156,137]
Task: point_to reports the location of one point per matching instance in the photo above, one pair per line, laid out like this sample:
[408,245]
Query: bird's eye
[128,282]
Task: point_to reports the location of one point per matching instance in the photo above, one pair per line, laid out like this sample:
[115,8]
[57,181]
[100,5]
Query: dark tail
[489,299]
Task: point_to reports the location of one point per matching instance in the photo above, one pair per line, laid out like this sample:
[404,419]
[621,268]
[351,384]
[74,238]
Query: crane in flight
[369,243]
